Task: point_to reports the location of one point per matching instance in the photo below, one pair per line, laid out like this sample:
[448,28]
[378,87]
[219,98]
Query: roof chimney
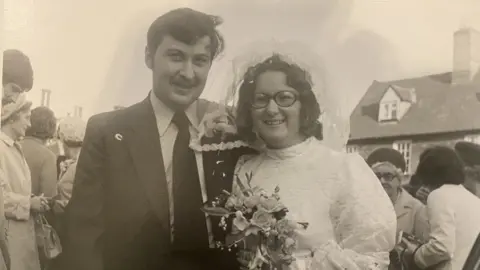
[466,55]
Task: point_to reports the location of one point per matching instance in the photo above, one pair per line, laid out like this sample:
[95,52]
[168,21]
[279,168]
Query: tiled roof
[439,107]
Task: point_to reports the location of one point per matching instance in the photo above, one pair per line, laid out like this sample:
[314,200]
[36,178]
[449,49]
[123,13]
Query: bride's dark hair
[297,78]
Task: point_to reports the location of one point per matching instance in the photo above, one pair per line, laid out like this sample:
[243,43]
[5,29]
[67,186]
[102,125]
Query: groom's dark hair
[188,26]
[297,78]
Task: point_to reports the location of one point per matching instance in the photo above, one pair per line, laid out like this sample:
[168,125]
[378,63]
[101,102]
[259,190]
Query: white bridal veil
[336,129]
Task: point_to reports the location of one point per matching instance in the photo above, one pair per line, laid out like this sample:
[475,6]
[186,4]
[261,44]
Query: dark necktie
[189,224]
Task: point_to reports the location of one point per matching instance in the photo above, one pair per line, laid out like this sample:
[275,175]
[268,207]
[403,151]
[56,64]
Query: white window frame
[45,99]
[78,111]
[352,148]
[473,138]
[405,148]
[389,110]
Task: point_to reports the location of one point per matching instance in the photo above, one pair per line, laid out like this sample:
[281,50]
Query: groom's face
[179,70]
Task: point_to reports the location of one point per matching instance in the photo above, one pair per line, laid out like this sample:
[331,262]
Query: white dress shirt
[168,133]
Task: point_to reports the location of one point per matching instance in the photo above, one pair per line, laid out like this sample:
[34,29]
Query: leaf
[241,185]
[216,211]
[303,224]
[249,177]
[277,189]
[258,261]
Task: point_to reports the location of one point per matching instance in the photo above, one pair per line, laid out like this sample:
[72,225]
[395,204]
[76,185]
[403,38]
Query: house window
[352,149]
[472,139]
[393,111]
[405,147]
[78,111]
[390,110]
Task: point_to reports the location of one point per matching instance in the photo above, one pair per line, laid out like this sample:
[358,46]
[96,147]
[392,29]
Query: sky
[90,53]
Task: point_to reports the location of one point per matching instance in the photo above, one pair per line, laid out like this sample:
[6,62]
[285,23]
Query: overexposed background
[89,53]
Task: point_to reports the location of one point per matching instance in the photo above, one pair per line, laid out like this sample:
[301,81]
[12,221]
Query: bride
[352,223]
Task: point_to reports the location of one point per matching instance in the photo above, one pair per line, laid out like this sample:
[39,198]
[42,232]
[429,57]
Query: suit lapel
[146,151]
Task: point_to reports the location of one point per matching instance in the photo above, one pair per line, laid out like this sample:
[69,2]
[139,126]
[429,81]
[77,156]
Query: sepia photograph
[240,135]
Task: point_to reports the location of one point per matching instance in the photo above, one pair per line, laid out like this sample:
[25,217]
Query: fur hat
[389,155]
[469,153]
[17,69]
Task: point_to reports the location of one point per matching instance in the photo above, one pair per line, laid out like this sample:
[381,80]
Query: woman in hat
[389,166]
[19,203]
[453,212]
[17,75]
[71,132]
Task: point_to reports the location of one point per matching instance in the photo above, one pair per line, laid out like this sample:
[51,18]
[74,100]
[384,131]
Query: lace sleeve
[364,222]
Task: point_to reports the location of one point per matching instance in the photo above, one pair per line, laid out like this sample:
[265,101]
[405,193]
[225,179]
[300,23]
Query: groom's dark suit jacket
[117,217]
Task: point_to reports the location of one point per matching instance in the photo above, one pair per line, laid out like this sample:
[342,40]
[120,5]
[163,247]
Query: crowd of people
[38,155]
[124,191]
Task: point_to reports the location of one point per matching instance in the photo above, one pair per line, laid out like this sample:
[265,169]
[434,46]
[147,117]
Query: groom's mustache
[184,82]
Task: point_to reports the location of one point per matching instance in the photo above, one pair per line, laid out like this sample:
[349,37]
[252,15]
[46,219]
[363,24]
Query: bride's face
[276,110]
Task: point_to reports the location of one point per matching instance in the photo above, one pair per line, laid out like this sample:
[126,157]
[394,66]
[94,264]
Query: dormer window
[389,111]
[395,103]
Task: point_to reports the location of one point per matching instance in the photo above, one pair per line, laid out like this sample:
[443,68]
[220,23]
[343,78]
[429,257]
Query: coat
[117,217]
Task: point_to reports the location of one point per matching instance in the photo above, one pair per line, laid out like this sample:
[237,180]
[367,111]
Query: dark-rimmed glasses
[282,99]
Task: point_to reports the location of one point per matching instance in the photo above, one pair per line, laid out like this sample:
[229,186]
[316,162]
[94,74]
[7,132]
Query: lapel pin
[119,137]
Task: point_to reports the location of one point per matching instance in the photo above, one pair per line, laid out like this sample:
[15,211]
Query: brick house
[413,114]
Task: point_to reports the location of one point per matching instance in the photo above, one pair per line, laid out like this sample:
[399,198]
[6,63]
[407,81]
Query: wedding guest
[352,223]
[453,212]
[17,78]
[416,186]
[17,75]
[40,159]
[389,166]
[470,154]
[71,132]
[18,200]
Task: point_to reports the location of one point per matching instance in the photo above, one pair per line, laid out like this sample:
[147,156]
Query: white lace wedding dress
[352,224]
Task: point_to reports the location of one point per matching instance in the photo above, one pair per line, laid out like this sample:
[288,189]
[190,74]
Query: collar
[164,114]
[403,202]
[6,139]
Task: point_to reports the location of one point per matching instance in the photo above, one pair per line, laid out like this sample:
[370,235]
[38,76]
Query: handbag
[47,238]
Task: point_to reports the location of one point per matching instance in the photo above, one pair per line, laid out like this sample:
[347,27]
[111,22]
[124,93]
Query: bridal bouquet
[259,216]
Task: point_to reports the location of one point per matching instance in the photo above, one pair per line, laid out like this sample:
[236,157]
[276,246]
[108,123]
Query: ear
[148,58]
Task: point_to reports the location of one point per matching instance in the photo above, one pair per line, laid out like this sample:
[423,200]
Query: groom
[138,186]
